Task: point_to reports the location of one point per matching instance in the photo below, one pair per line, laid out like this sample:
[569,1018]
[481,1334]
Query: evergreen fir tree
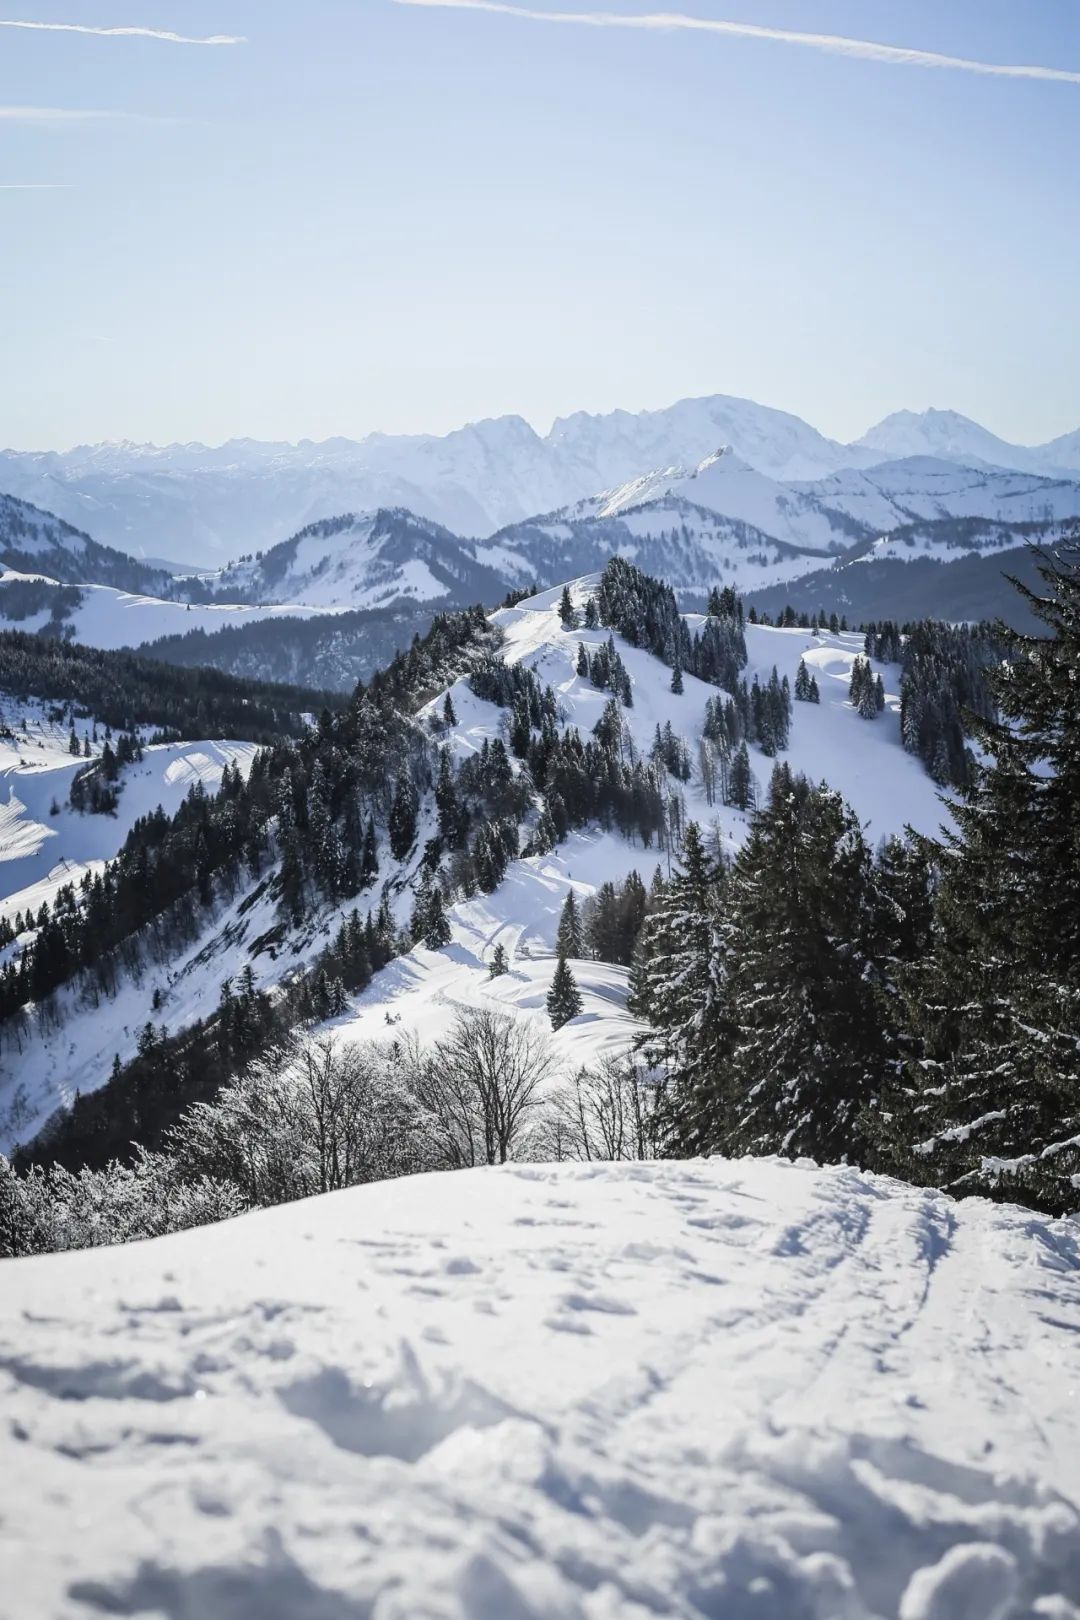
[566,610]
[564,998]
[437,933]
[993,1103]
[403,813]
[449,714]
[499,963]
[796,940]
[570,939]
[676,679]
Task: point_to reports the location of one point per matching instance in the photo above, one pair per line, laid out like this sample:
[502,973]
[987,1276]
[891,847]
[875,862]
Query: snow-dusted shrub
[51,1209]
[481,1088]
[610,1112]
[318,1116]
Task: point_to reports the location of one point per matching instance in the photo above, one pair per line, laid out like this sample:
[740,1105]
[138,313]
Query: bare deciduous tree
[610,1112]
[482,1085]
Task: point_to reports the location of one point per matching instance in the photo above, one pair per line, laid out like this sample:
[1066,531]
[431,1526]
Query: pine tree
[796,940]
[570,940]
[802,682]
[449,714]
[678,984]
[403,813]
[566,610]
[993,1103]
[676,679]
[582,657]
[564,998]
[438,923]
[499,962]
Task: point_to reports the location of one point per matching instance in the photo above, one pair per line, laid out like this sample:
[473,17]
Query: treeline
[125,691]
[645,611]
[332,651]
[912,1010]
[306,816]
[946,691]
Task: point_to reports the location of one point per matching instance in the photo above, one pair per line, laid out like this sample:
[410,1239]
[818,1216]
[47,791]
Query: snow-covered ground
[863,759]
[701,1391]
[422,991]
[41,851]
[110,618]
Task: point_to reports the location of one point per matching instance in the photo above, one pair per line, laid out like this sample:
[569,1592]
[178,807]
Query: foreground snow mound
[573,1392]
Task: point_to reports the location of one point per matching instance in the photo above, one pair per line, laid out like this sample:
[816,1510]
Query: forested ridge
[910,1008]
[126,690]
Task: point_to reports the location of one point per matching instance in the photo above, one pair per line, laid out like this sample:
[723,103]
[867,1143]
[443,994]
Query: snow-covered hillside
[726,484]
[952,437]
[865,761]
[31,539]
[44,844]
[706,1391]
[201,504]
[365,560]
[924,487]
[109,618]
[887,787]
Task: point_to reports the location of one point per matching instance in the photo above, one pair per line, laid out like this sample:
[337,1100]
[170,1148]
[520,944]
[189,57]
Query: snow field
[749,1390]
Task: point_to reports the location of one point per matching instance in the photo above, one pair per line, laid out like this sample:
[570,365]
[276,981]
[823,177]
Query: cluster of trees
[22,599]
[329,651]
[314,1115]
[946,686]
[913,1010]
[867,690]
[606,670]
[806,686]
[94,789]
[126,690]
[312,804]
[645,611]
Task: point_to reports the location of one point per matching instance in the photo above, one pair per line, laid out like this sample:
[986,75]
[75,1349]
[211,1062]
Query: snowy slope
[365,561]
[725,484]
[31,539]
[111,618]
[865,761]
[616,446]
[924,487]
[420,992]
[39,851]
[952,437]
[697,1391]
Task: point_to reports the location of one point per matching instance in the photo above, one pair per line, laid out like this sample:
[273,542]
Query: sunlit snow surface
[423,991]
[714,1389]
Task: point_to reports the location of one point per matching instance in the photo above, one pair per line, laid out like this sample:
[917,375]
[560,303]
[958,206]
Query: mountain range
[200,504]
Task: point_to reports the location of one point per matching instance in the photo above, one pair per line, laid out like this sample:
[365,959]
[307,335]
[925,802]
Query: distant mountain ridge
[202,503]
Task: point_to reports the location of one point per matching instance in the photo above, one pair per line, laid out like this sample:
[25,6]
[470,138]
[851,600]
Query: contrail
[60,116]
[123,33]
[833,44]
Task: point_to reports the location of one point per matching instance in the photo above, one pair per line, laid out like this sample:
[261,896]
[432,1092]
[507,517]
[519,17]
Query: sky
[366,215]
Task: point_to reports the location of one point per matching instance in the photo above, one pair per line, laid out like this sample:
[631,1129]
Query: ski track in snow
[737,1390]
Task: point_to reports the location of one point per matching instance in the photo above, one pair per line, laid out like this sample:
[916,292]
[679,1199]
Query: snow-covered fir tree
[564,998]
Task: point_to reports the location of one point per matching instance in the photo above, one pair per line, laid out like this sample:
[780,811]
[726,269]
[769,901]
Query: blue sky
[375,216]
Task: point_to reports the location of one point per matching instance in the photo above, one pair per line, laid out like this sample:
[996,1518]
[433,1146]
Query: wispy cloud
[833,44]
[60,116]
[163,34]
